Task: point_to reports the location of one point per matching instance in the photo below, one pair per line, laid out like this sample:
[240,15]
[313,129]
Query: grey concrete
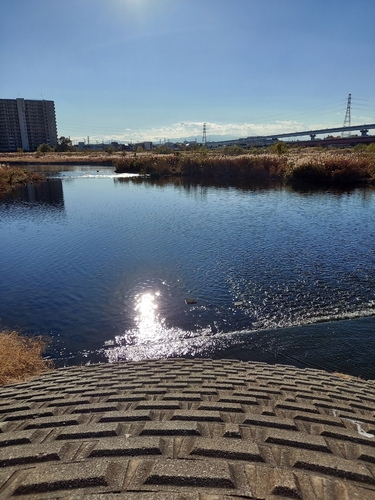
[188,429]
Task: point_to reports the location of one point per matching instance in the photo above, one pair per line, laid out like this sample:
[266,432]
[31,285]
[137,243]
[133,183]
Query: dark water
[90,259]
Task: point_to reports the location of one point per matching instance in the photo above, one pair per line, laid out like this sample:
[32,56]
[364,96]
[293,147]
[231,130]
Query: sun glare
[146,318]
[141,10]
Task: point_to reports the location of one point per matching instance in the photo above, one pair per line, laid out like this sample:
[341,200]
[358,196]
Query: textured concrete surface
[188,430]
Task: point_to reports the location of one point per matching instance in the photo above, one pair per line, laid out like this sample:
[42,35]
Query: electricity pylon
[347,119]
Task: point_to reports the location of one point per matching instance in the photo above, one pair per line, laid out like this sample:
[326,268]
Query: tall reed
[331,168]
[204,164]
[313,166]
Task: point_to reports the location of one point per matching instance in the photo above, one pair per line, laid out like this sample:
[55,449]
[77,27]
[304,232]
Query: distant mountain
[210,138]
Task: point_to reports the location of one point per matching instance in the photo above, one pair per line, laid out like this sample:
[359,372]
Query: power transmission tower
[204,137]
[347,119]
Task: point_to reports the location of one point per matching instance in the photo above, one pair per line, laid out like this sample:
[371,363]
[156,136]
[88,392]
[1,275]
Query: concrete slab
[188,430]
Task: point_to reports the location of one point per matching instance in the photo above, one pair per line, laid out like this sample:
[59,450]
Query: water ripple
[80,252]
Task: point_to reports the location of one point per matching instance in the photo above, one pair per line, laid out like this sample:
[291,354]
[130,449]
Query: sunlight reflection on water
[147,320]
[151,338]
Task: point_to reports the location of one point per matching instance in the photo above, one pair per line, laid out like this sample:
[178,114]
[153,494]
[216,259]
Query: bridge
[270,139]
[313,133]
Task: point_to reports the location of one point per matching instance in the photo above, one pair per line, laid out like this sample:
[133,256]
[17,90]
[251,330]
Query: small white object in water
[239,303]
[109,342]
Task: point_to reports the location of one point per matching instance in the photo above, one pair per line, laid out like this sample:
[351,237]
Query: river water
[115,267]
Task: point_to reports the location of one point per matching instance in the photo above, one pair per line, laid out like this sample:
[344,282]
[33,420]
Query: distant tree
[140,149]
[44,148]
[279,148]
[64,144]
[20,151]
[255,150]
[110,150]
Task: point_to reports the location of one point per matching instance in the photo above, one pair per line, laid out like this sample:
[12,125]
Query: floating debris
[190,301]
[238,304]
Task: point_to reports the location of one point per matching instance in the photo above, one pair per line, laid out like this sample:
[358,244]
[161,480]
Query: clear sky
[133,70]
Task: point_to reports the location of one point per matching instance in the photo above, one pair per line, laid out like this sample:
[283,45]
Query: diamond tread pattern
[188,430]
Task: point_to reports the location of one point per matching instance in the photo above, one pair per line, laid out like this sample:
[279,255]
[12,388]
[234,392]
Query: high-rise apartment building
[27,123]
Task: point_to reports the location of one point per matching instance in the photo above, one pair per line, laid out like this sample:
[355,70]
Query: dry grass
[344,375]
[21,357]
[208,165]
[70,157]
[331,167]
[13,176]
[311,166]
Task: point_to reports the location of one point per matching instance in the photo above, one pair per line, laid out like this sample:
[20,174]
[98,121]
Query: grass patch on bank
[312,166]
[21,357]
[208,165]
[331,168]
[11,177]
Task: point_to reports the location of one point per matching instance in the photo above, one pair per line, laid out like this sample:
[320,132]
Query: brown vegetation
[13,176]
[207,165]
[21,357]
[331,167]
[310,165]
[293,164]
[57,158]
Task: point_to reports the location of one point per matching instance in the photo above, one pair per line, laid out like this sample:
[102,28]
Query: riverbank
[311,166]
[188,428]
[68,158]
[12,176]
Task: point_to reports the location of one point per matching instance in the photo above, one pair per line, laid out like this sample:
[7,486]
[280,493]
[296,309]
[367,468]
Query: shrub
[44,148]
[11,176]
[21,357]
[279,148]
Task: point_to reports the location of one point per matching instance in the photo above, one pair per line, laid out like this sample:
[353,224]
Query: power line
[367,100]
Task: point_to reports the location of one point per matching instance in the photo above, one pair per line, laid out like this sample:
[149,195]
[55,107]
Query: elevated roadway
[312,133]
[265,140]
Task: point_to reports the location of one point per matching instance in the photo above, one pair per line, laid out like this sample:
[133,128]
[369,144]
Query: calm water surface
[116,267]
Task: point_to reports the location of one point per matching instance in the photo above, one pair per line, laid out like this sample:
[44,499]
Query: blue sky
[133,70]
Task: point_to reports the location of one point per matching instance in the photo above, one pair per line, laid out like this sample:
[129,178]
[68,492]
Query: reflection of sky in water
[151,338]
[110,262]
